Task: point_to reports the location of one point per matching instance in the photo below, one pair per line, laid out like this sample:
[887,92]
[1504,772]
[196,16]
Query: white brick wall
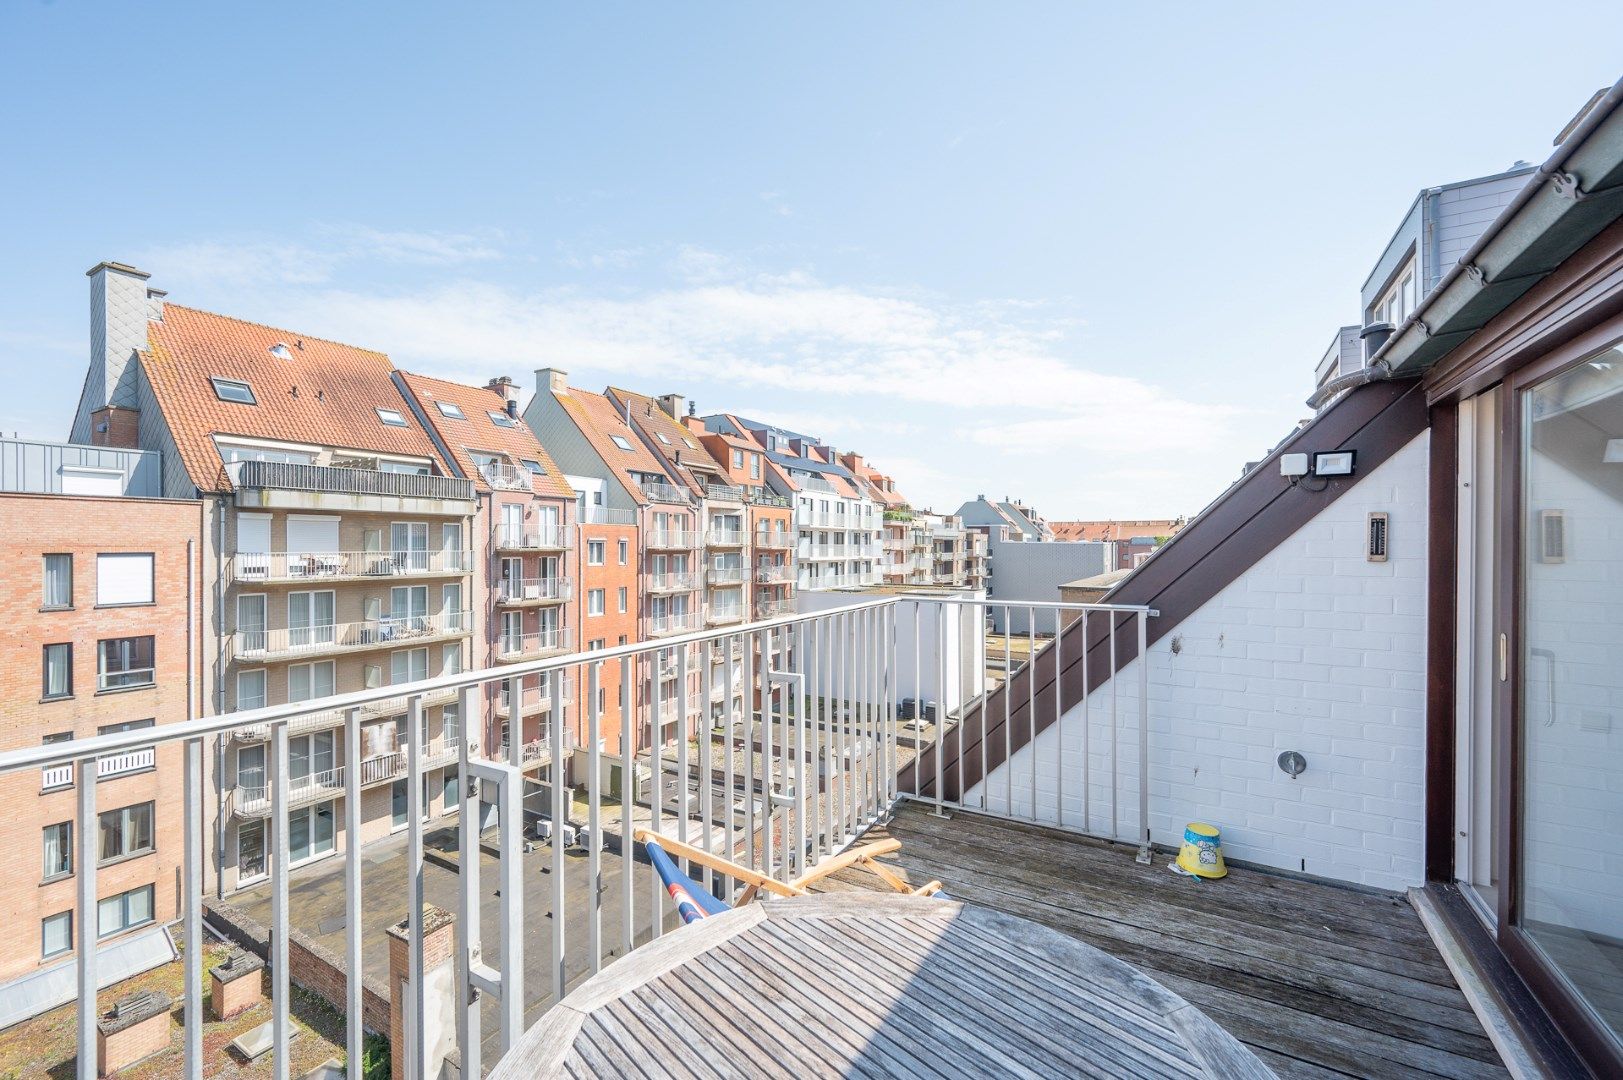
[1314,649]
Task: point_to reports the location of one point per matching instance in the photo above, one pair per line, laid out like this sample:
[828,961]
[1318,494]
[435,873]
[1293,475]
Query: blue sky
[1084,255]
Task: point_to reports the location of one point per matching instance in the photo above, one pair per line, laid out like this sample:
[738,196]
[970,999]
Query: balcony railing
[533,537]
[868,748]
[388,632]
[670,539]
[605,515]
[263,567]
[719,536]
[514,647]
[764,496]
[538,751]
[661,492]
[331,718]
[727,575]
[680,581]
[724,493]
[545,590]
[535,699]
[337,480]
[665,625]
[128,761]
[507,477]
[775,575]
[723,614]
[774,538]
[772,609]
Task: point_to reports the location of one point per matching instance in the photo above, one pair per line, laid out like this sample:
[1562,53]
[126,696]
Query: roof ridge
[281,330]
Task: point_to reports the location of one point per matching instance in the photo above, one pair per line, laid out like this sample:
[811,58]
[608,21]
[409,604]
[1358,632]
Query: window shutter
[123,579]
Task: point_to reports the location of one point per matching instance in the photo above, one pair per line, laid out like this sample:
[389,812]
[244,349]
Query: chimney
[672,404]
[508,389]
[120,305]
[554,379]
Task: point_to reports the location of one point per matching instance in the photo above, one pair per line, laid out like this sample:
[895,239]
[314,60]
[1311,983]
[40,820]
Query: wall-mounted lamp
[1334,463]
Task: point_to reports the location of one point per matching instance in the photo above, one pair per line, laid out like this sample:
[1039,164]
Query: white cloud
[269,261]
[990,394]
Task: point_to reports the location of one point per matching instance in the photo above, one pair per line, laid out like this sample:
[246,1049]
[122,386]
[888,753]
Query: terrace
[278,567]
[533,592]
[1316,979]
[330,639]
[533,538]
[290,486]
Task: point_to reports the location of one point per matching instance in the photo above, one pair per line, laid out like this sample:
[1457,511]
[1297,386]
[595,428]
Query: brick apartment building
[336,550]
[102,614]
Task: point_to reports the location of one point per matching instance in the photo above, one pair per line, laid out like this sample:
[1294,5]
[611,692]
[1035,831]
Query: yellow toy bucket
[1202,851]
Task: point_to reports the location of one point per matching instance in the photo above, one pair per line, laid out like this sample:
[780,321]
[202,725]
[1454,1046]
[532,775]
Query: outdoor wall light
[1335,463]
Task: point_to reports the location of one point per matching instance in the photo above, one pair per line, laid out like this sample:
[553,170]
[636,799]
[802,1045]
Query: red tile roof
[682,452]
[480,432]
[325,393]
[1114,530]
[598,420]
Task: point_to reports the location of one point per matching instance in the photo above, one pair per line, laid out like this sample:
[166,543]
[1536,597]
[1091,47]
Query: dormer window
[501,419]
[621,441]
[392,417]
[1399,300]
[451,409]
[233,390]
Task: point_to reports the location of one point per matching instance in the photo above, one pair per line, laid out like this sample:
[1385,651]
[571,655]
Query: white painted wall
[1313,649]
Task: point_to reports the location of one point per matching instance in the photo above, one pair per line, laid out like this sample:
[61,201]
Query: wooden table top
[873,985]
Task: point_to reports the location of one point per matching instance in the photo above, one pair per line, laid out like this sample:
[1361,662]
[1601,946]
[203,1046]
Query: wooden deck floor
[1319,981]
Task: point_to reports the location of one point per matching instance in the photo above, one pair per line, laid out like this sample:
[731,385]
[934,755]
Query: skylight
[691,444]
[501,419]
[621,442]
[663,437]
[533,466]
[452,410]
[232,390]
[392,417]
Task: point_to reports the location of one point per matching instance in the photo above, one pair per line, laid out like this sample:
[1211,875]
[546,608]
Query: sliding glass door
[1567,697]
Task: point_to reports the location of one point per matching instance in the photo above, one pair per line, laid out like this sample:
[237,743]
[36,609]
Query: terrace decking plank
[1367,996]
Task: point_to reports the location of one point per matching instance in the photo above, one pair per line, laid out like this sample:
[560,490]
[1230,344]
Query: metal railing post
[86,917]
[1143,739]
[192,883]
[281,1029]
[355,1033]
[468,950]
[417,1048]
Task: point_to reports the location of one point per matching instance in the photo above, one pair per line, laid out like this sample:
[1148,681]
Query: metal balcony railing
[719,536]
[537,751]
[678,581]
[332,718]
[764,496]
[604,515]
[332,479]
[772,609]
[858,730]
[322,639]
[507,477]
[128,761]
[535,699]
[544,590]
[727,575]
[724,493]
[775,574]
[722,614]
[512,647]
[679,623]
[261,567]
[533,537]
[774,538]
[670,539]
[661,492]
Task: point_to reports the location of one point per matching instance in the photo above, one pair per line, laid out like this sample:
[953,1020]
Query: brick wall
[30,527]
[311,966]
[1313,649]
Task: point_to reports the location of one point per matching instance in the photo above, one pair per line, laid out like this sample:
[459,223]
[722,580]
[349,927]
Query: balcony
[661,492]
[724,493]
[775,539]
[251,796]
[722,537]
[511,648]
[533,592]
[275,567]
[680,581]
[723,614]
[111,765]
[533,538]
[727,575]
[670,540]
[776,574]
[505,477]
[281,485]
[672,709]
[605,515]
[390,632]
[537,753]
[758,495]
[332,718]
[772,609]
[665,625]
[534,700]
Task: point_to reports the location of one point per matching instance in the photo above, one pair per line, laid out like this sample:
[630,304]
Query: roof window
[281,351]
[392,417]
[233,390]
[621,441]
[501,419]
[451,409]
[533,466]
[663,437]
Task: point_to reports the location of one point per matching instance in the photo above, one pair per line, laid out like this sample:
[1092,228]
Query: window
[251,689]
[451,660]
[118,913]
[597,643]
[621,441]
[1399,300]
[625,552]
[738,459]
[58,850]
[622,599]
[594,552]
[56,935]
[501,419]
[408,665]
[250,851]
[664,438]
[306,682]
[755,466]
[533,466]
[691,444]
[233,390]
[126,832]
[453,788]
[392,417]
[123,579]
[594,602]
[58,581]
[230,453]
[58,672]
[453,411]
